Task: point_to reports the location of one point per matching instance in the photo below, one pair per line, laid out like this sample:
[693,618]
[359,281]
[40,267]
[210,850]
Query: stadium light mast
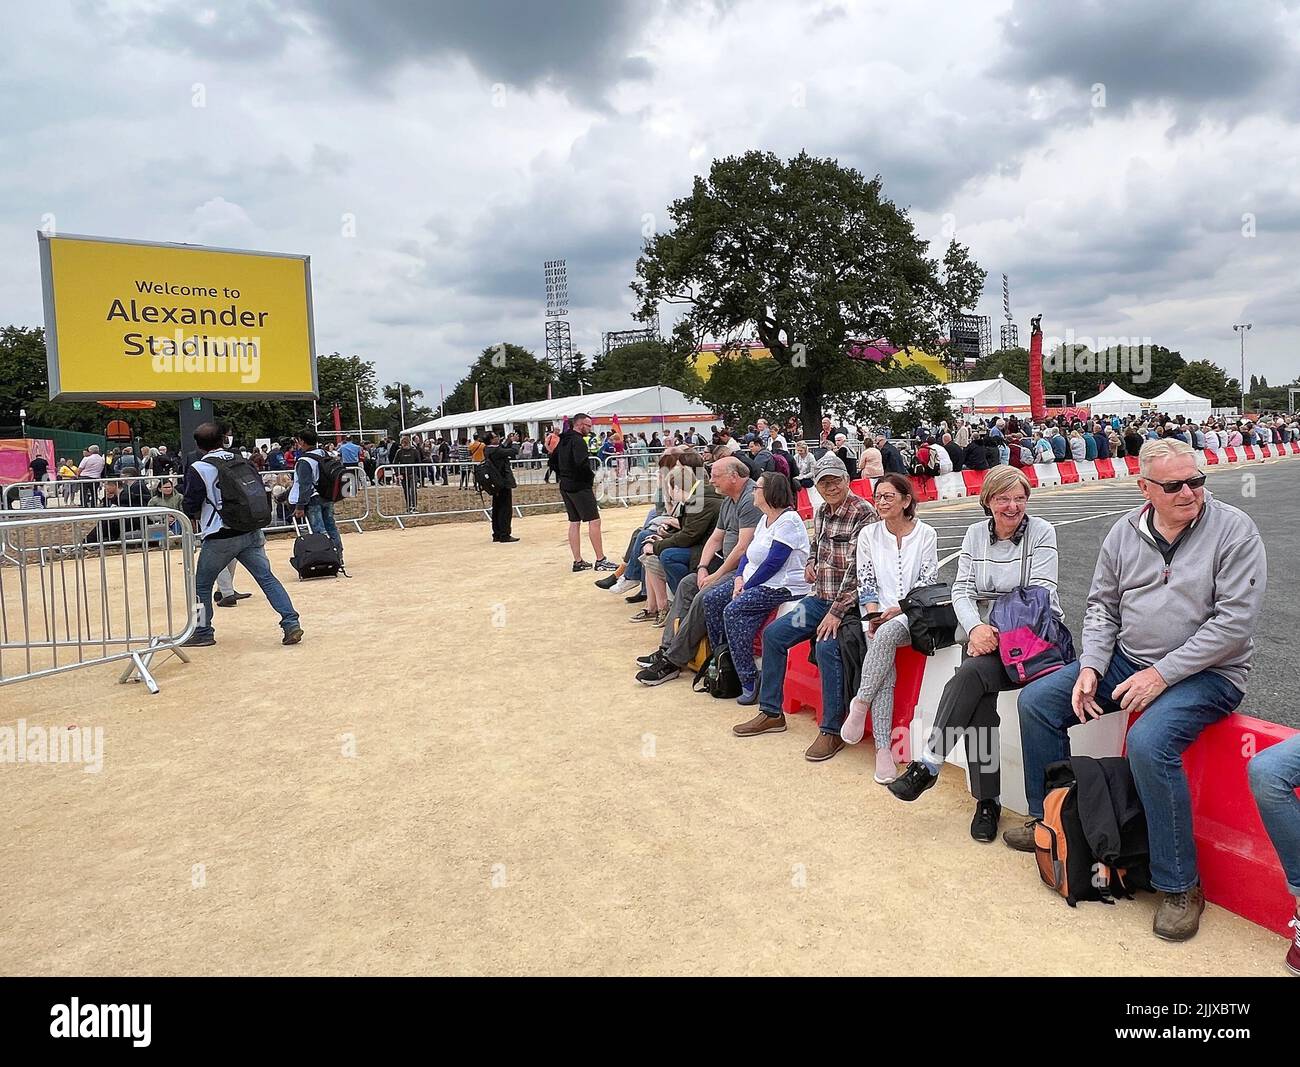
[1240,328]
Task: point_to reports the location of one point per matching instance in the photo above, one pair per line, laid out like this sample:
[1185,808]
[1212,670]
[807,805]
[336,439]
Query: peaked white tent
[1114,400]
[637,409]
[992,396]
[1178,401]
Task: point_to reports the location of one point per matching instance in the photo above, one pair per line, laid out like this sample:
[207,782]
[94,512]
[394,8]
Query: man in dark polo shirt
[572,465]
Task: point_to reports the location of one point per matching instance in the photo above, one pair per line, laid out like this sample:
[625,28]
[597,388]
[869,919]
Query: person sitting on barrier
[675,548]
[202,502]
[994,553]
[804,464]
[894,556]
[832,573]
[685,626]
[1274,775]
[618,580]
[110,529]
[771,572]
[1175,598]
[871,466]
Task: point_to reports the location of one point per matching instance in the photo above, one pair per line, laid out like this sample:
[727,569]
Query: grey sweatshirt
[985,569]
[1198,614]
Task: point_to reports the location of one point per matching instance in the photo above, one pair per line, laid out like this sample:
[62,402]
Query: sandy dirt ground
[456,773]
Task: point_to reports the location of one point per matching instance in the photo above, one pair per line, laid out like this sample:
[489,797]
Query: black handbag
[930,617]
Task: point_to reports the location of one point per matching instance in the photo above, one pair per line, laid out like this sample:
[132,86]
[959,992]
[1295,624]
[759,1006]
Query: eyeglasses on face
[887,498]
[1195,482]
[1006,501]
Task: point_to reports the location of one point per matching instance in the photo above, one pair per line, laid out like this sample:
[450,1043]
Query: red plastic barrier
[925,488]
[1239,867]
[804,505]
[1069,472]
[1105,468]
[1295,448]
[803,687]
[862,488]
[1232,454]
[1211,457]
[758,637]
[1031,475]
[974,482]
[1132,463]
[1250,451]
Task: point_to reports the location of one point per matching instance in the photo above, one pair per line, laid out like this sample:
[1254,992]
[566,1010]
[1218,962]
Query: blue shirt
[350,452]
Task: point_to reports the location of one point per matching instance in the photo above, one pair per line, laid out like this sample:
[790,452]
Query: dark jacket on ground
[571,462]
[500,456]
[699,518]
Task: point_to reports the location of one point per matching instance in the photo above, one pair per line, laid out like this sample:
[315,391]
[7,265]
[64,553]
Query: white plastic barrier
[1048,474]
[1222,455]
[1087,470]
[1099,737]
[950,486]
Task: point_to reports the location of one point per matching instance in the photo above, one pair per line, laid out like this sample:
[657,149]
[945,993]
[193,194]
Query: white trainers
[623,584]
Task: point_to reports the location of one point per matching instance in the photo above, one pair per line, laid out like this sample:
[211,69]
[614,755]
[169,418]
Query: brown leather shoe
[1179,915]
[823,748]
[1021,838]
[760,724]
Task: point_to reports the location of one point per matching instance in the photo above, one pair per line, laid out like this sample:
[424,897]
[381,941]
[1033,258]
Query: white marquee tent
[1114,400]
[1178,401]
[993,396]
[640,409]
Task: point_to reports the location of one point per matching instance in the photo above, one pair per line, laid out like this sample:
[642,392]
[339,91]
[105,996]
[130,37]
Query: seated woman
[620,581]
[993,555]
[804,463]
[872,464]
[675,548]
[895,556]
[770,572]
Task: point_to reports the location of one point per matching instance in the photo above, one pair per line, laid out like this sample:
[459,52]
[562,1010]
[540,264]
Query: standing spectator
[350,454]
[91,468]
[305,495]
[571,462]
[500,455]
[408,461]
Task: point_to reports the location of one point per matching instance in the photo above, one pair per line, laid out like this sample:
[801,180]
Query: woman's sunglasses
[1173,487]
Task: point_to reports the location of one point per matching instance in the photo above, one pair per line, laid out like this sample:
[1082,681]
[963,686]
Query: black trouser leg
[502,513]
[969,709]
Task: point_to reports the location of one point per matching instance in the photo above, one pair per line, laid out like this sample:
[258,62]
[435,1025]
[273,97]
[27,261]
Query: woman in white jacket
[894,556]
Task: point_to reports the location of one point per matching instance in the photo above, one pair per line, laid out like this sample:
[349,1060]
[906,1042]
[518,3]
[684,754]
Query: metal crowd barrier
[83,587]
[398,486]
[278,484]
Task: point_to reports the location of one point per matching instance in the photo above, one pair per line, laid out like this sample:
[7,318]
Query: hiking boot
[603,564]
[1021,838]
[650,660]
[762,723]
[199,641]
[292,637]
[913,782]
[663,671]
[580,565]
[823,748]
[606,583]
[984,827]
[1293,954]
[644,616]
[1179,915]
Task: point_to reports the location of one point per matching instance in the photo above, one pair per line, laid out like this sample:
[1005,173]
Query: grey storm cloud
[1189,51]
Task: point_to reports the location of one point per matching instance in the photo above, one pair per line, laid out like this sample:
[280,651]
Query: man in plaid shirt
[833,570]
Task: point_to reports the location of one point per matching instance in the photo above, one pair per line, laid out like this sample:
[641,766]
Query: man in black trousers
[499,455]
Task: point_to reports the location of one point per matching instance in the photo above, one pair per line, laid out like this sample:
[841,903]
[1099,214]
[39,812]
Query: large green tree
[1203,377]
[494,371]
[645,363]
[808,256]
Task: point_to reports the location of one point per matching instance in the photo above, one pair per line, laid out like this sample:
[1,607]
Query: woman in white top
[894,556]
[804,463]
[770,572]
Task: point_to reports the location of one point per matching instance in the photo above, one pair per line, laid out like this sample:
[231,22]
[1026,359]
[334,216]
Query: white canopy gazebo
[1178,401]
[992,396]
[1114,400]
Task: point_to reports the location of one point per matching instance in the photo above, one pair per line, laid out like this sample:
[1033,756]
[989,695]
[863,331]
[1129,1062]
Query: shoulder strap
[1024,559]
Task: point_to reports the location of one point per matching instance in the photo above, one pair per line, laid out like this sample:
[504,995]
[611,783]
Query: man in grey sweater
[1168,632]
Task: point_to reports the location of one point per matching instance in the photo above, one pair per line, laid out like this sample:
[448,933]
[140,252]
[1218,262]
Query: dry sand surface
[516,804]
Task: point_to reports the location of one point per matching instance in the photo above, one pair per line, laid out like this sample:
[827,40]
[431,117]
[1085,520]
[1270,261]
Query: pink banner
[16,454]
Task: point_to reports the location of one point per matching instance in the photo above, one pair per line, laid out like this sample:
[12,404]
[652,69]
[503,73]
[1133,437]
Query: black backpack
[487,479]
[329,480]
[718,675]
[245,502]
[314,556]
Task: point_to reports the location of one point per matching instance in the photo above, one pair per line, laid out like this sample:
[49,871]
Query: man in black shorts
[573,470]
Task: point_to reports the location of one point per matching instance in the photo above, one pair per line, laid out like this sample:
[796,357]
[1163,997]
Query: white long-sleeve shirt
[887,571]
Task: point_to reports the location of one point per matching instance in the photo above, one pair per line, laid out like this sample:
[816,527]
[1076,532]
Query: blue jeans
[675,562]
[788,631]
[635,568]
[320,519]
[1274,776]
[1155,752]
[250,550]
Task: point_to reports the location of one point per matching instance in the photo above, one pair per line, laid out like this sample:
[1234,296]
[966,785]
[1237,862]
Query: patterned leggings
[736,622]
[878,676]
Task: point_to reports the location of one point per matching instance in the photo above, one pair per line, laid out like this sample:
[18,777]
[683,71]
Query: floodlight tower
[559,344]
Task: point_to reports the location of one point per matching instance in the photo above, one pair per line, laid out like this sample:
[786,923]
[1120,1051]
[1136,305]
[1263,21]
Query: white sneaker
[623,584]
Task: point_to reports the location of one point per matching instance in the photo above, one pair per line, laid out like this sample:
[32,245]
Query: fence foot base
[137,670]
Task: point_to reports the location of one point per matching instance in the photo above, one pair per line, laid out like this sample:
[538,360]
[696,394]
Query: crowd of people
[723,556]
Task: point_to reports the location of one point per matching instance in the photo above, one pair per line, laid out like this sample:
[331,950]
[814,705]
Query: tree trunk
[810,412]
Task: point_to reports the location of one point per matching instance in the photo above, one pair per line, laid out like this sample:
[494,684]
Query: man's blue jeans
[635,571]
[786,632]
[676,562]
[1274,777]
[320,519]
[250,550]
[1155,752]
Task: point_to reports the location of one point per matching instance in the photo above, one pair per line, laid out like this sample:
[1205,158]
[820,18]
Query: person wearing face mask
[1169,632]
[994,554]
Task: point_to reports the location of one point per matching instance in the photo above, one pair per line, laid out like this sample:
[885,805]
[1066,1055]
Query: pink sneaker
[855,723]
[1293,954]
[886,769]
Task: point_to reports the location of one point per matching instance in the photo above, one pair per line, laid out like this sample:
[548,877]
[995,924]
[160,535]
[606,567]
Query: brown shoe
[761,723]
[1179,915]
[823,748]
[1021,838]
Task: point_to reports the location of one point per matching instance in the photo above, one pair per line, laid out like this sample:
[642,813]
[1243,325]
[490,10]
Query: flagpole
[401,406]
[361,426]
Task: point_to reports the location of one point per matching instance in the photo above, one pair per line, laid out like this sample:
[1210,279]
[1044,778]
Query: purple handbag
[1032,641]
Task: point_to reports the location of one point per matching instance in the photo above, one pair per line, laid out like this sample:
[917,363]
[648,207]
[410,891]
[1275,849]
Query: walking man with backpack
[317,487]
[227,502]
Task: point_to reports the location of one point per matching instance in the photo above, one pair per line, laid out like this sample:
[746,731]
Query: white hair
[1161,448]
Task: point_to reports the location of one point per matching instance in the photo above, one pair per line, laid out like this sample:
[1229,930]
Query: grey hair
[1161,448]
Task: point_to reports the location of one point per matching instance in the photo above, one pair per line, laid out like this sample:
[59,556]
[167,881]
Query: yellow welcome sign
[143,320]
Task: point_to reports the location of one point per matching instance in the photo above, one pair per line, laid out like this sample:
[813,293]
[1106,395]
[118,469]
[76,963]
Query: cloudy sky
[1134,168]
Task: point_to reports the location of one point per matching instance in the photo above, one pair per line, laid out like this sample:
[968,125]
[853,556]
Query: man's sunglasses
[1173,487]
